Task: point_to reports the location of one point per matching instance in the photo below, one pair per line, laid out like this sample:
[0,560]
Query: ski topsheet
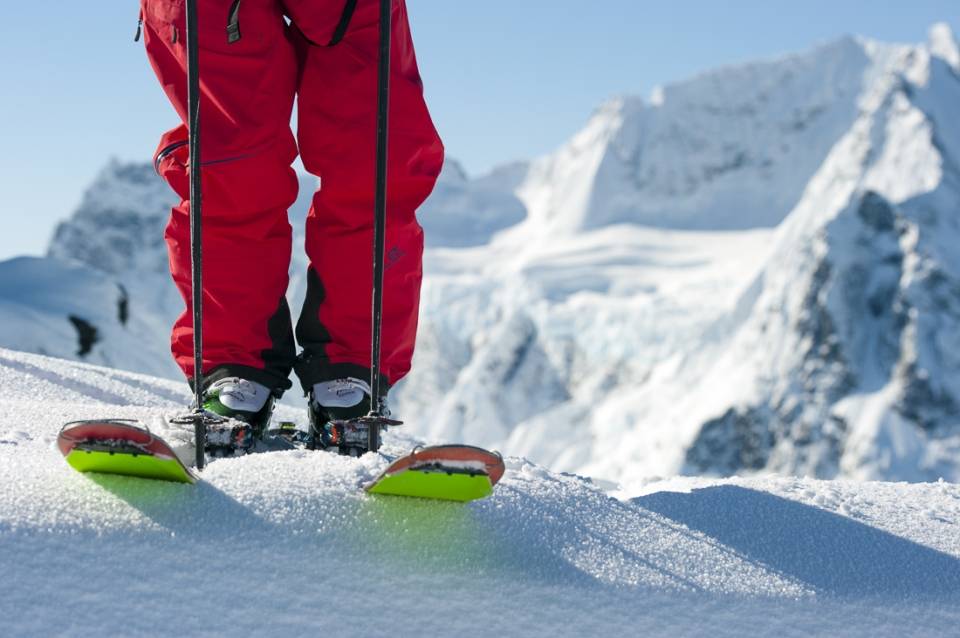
[120,446]
[444,472]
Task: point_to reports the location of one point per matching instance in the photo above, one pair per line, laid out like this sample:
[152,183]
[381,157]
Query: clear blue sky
[505,79]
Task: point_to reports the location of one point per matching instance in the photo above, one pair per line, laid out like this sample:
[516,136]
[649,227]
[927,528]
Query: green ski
[119,446]
[459,473]
[444,472]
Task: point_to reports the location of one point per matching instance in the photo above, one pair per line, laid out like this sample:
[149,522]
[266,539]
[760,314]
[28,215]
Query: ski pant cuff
[312,369]
[277,384]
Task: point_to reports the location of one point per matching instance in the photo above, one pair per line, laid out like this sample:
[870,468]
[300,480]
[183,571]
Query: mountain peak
[119,224]
[731,148]
[943,44]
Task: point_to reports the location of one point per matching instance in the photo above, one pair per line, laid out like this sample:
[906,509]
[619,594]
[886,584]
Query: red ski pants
[327,58]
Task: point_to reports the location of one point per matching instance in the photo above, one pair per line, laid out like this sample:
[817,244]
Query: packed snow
[287,544]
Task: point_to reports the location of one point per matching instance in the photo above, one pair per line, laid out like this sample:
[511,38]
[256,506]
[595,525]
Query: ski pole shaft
[196,205]
[380,214]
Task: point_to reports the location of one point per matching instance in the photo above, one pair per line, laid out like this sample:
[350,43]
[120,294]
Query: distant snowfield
[286,543]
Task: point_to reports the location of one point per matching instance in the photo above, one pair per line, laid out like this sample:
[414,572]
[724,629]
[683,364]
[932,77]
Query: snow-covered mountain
[70,310]
[102,294]
[287,543]
[730,149]
[118,226]
[751,271]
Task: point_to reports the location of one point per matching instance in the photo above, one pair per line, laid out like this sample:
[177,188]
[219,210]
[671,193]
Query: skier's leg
[247,90]
[337,134]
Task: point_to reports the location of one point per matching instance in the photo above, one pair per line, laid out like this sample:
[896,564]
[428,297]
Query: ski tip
[120,446]
[443,472]
[456,455]
[76,432]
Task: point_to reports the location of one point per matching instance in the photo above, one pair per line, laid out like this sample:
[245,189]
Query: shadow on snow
[833,554]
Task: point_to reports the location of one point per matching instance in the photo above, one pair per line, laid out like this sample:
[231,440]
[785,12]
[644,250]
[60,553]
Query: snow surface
[286,544]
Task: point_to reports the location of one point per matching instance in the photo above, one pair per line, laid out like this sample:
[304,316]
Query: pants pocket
[170,160]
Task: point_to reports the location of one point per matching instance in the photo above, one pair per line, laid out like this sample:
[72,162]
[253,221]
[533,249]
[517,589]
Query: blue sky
[505,79]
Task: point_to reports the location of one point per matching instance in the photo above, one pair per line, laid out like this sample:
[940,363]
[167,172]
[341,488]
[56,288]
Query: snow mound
[286,543]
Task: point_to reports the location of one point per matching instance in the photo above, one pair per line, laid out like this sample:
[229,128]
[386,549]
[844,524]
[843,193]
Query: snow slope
[286,544]
[68,309]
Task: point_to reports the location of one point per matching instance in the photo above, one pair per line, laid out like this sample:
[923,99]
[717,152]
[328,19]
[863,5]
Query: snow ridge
[729,149]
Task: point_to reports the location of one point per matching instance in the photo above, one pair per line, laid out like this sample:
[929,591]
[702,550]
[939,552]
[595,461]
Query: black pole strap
[344,22]
[196,206]
[233,22]
[380,218]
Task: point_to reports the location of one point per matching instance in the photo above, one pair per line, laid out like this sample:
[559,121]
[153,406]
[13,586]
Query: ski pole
[380,221]
[196,205]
